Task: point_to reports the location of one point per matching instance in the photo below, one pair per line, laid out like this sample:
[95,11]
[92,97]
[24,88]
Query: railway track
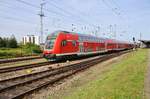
[18,59]
[16,68]
[18,87]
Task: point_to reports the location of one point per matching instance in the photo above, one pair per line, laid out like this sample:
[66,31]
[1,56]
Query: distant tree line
[8,42]
[11,42]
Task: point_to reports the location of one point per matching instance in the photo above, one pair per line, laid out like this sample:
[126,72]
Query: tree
[12,42]
[8,42]
[3,42]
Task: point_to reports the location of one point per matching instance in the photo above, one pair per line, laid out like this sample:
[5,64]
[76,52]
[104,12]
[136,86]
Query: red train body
[62,44]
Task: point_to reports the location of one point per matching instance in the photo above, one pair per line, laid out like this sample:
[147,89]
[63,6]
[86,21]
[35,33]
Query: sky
[117,19]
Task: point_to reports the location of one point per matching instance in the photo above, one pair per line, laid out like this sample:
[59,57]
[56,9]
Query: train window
[63,43]
[51,37]
[49,44]
[48,37]
[74,43]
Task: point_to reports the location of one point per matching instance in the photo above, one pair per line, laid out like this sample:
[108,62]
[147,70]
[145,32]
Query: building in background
[31,39]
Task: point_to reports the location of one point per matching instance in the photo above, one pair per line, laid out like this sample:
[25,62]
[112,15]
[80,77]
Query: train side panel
[62,44]
[69,44]
[90,45]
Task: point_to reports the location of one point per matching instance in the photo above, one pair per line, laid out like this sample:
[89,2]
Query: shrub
[31,48]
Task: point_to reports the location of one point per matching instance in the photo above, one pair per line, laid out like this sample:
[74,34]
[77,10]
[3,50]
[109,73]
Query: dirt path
[147,80]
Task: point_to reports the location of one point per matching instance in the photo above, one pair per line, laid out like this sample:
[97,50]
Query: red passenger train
[62,44]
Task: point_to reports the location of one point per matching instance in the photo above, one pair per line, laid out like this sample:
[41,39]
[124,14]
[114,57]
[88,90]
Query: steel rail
[16,68]
[73,68]
[18,59]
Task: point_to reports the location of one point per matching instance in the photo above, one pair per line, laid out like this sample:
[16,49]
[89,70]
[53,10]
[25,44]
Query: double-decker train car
[62,44]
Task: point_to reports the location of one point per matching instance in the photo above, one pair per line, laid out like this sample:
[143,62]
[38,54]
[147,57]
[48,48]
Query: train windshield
[50,40]
[50,43]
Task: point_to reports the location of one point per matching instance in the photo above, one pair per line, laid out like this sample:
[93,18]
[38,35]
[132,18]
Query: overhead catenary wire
[6,5]
[16,19]
[77,20]
[118,8]
[123,13]
[56,13]
[111,8]
[47,10]
[69,15]
[50,11]
[53,3]
[79,13]
[13,18]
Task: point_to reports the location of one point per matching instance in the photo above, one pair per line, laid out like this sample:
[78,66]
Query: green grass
[12,52]
[125,80]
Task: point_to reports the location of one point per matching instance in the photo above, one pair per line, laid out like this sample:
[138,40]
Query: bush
[31,48]
[22,50]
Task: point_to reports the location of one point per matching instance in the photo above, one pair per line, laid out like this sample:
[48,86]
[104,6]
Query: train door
[81,48]
[106,46]
[69,46]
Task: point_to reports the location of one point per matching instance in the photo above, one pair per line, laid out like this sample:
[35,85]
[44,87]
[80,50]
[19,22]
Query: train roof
[88,35]
[80,34]
[55,33]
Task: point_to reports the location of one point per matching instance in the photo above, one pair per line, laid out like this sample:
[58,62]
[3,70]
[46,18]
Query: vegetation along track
[16,68]
[18,59]
[18,87]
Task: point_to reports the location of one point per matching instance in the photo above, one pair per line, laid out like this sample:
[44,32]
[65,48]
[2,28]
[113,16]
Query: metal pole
[41,20]
[110,27]
[140,36]
[140,39]
[115,27]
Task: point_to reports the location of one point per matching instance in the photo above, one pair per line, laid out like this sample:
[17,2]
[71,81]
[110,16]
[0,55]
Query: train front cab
[60,45]
[50,46]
